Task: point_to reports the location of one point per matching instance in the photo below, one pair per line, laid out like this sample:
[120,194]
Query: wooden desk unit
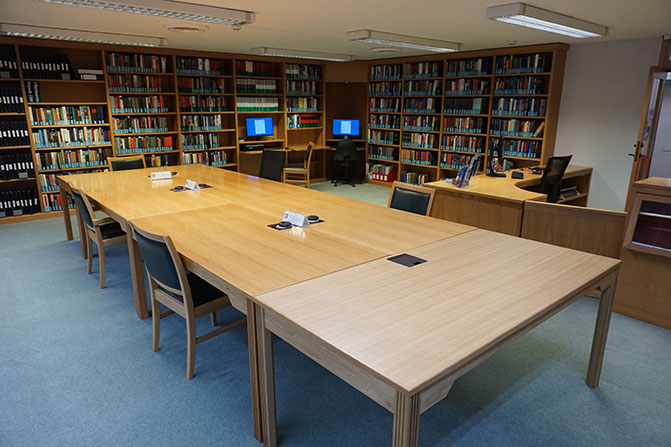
[496,203]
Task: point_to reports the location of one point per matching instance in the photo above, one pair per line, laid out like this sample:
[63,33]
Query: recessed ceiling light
[399,40]
[301,54]
[385,50]
[186,29]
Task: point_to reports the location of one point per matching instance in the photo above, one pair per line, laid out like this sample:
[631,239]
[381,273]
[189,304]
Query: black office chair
[411,198]
[185,294]
[124,163]
[346,154]
[272,164]
[552,175]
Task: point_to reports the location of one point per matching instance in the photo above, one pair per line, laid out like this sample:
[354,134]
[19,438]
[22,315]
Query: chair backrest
[308,155]
[272,164]
[552,175]
[411,198]
[125,163]
[596,231]
[162,261]
[84,207]
[346,148]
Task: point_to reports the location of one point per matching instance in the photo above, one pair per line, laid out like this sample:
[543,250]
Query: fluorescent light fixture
[48,32]
[399,40]
[168,8]
[301,54]
[544,20]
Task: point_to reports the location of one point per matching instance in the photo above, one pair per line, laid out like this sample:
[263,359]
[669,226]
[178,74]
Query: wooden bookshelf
[452,107]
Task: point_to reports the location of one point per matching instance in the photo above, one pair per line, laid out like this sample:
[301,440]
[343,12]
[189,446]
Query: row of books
[418,157]
[383,136]
[463,143]
[301,87]
[384,105]
[267,86]
[138,63]
[135,83]
[521,85]
[90,74]
[157,160]
[302,104]
[384,72]
[14,133]
[202,104]
[200,85]
[382,152]
[303,120]
[33,91]
[388,121]
[380,172]
[8,66]
[516,127]
[384,89]
[519,106]
[416,88]
[201,122]
[139,104]
[257,104]
[467,86]
[18,202]
[253,68]
[476,106]
[57,115]
[209,158]
[52,202]
[422,70]
[425,140]
[200,141]
[201,65]
[451,160]
[524,63]
[17,165]
[469,67]
[305,71]
[47,161]
[465,124]
[142,144]
[415,178]
[43,65]
[140,124]
[421,105]
[11,98]
[421,122]
[48,182]
[70,136]
[520,148]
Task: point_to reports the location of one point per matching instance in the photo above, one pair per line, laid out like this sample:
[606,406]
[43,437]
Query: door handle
[637,147]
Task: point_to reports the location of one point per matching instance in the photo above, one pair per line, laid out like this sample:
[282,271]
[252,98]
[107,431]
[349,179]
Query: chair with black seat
[345,154]
[552,176]
[411,198]
[124,163]
[300,174]
[104,232]
[184,294]
[272,164]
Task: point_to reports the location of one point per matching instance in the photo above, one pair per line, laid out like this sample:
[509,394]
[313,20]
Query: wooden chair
[185,294]
[300,174]
[411,198]
[124,163]
[103,232]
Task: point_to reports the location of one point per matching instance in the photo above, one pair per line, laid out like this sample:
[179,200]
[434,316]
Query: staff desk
[403,335]
[497,203]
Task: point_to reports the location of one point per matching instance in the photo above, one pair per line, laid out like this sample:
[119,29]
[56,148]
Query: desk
[403,335]
[496,203]
[249,160]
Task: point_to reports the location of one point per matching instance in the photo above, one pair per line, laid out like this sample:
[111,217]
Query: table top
[658,184]
[371,314]
[506,188]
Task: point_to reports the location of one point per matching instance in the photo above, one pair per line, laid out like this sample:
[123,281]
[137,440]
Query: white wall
[602,99]
[660,165]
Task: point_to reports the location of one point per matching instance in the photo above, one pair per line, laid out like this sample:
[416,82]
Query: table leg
[137,277]
[266,379]
[257,415]
[66,214]
[406,420]
[83,240]
[600,334]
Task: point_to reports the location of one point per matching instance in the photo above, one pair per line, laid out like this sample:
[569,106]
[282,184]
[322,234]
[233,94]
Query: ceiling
[320,25]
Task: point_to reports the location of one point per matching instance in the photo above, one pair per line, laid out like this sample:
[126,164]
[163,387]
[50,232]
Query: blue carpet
[76,369]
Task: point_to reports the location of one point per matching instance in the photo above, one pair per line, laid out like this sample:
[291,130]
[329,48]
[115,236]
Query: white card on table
[193,186]
[296,219]
[161,175]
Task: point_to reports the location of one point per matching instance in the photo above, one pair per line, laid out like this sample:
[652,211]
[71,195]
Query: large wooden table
[401,335]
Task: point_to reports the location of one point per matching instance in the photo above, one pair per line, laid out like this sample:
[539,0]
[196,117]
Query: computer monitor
[346,127]
[257,127]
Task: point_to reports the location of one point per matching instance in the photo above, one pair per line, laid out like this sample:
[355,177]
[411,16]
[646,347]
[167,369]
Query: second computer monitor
[257,127]
[346,127]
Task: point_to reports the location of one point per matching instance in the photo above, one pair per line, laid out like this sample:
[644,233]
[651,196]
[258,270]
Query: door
[647,129]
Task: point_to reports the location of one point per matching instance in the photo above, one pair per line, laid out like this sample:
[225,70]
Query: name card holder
[296,219]
[161,175]
[192,185]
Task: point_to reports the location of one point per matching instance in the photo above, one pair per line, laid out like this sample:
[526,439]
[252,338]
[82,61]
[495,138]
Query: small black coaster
[276,227]
[182,188]
[407,260]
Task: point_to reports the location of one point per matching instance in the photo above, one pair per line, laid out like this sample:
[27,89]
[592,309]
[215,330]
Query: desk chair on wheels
[125,163]
[411,198]
[272,164]
[103,232]
[184,294]
[346,154]
[552,175]
[300,174]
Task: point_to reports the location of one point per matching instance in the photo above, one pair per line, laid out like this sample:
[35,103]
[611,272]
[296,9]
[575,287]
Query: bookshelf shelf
[17,180]
[143,73]
[65,148]
[65,81]
[50,126]
[68,103]
[142,113]
[11,148]
[12,114]
[82,168]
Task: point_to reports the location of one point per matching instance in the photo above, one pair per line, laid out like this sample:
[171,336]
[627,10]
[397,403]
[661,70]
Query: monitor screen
[345,127]
[257,127]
